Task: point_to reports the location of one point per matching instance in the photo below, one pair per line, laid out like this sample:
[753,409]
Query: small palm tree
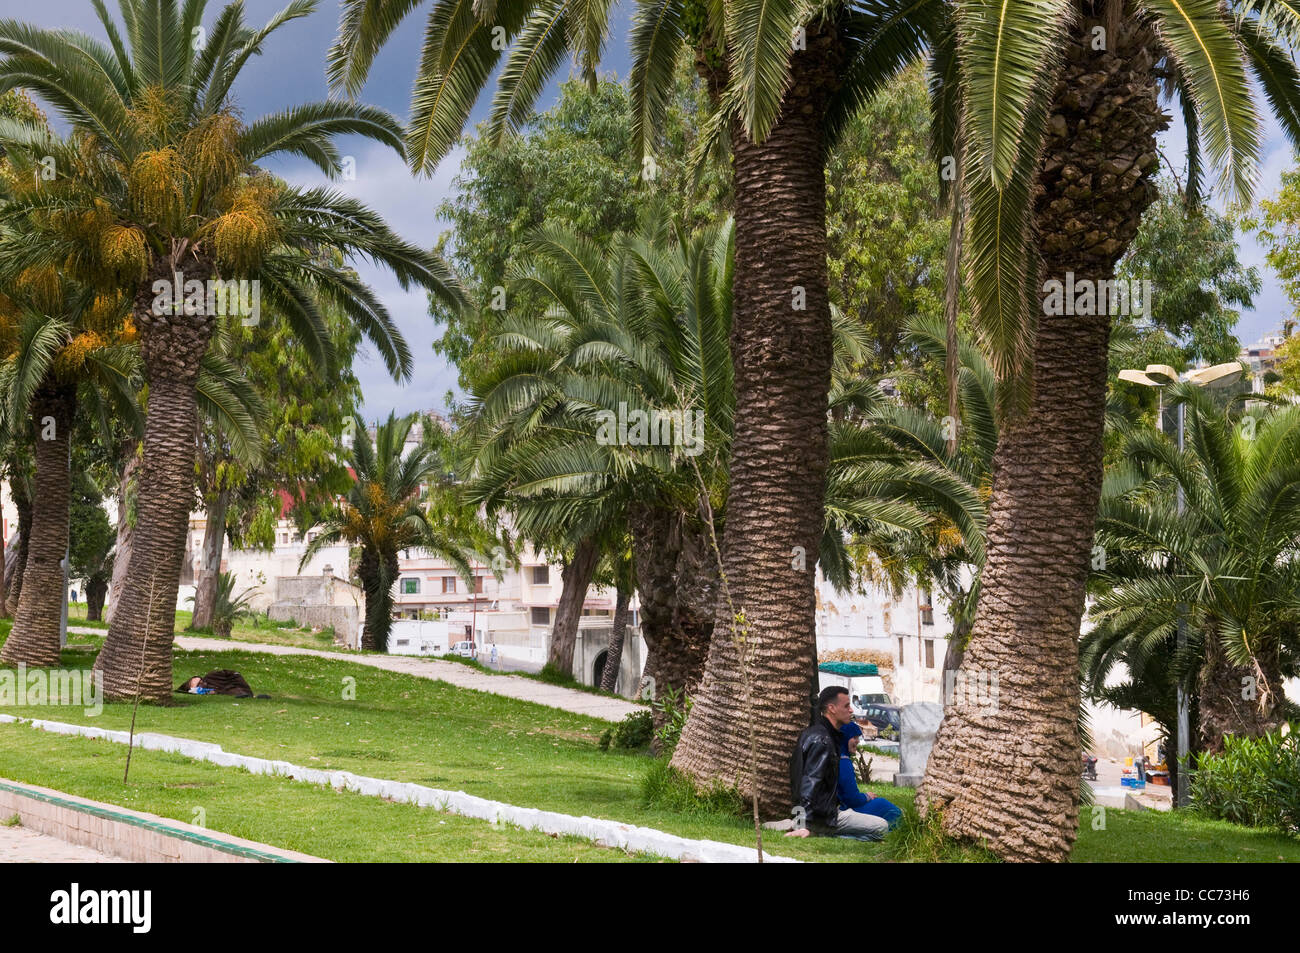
[1226,564]
[399,501]
[159,184]
[226,608]
[637,327]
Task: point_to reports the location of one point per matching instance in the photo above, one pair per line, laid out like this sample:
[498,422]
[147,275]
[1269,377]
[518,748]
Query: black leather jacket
[814,775]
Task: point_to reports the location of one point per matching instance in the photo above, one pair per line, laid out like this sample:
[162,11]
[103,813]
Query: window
[541,615]
[541,575]
[927,610]
[403,641]
[448,583]
[478,584]
[410,586]
[900,650]
[929,653]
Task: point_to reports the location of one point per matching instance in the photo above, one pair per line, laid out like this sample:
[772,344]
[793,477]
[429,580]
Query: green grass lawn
[336,825]
[261,629]
[411,729]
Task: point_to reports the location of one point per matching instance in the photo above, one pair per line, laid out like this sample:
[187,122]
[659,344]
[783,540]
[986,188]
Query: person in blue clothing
[851,799]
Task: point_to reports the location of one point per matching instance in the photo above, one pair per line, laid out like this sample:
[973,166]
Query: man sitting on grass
[815,776]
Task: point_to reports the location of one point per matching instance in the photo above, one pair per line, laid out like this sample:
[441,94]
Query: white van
[463,649]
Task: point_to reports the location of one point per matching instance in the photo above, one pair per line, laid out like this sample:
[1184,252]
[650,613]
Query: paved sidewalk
[18,845]
[462,676]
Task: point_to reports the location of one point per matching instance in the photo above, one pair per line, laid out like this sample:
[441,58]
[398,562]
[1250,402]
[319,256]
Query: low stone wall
[131,835]
[344,620]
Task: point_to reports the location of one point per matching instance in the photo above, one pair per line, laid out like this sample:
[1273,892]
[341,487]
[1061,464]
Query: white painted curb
[605,832]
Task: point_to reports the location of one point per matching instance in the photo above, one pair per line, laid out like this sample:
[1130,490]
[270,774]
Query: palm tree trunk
[138,648]
[37,626]
[1241,700]
[781,352]
[677,581]
[18,563]
[377,580]
[1007,774]
[96,589]
[214,538]
[575,577]
[614,653]
[125,532]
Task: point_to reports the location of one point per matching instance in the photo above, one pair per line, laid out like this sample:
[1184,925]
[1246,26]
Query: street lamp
[1161,375]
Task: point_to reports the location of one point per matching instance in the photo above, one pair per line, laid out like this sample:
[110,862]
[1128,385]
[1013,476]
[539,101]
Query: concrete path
[18,845]
[462,676]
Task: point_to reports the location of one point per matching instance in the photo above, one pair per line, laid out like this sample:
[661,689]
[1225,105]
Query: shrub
[634,731]
[1255,781]
[674,705]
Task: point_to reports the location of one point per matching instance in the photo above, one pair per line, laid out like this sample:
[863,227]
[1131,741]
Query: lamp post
[1160,376]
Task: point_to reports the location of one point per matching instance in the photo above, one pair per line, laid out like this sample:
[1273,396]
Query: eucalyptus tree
[160,188]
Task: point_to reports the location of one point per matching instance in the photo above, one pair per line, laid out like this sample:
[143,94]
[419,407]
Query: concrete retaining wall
[131,835]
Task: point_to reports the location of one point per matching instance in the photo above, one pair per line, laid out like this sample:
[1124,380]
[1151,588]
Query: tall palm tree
[781,102]
[64,348]
[398,503]
[161,180]
[1060,104]
[1226,564]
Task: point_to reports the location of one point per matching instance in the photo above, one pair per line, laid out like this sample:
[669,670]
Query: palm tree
[782,104]
[398,503]
[66,346]
[160,185]
[900,492]
[227,609]
[1227,563]
[638,327]
[1060,104]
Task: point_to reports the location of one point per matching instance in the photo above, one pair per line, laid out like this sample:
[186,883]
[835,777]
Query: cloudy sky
[292,70]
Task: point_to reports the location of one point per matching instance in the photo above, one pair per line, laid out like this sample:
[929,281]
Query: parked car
[860,702]
[886,719]
[463,649]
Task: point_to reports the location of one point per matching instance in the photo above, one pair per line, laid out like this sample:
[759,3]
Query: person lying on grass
[815,775]
[221,681]
[851,799]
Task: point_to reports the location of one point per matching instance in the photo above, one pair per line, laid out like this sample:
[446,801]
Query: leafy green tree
[90,547]
[882,193]
[1190,256]
[302,410]
[567,167]
[161,179]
